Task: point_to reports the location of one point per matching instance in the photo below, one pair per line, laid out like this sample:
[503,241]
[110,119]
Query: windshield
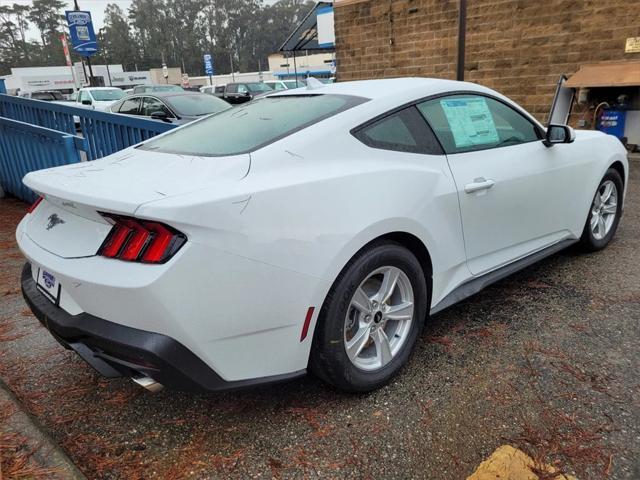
[197,104]
[258,87]
[253,125]
[107,95]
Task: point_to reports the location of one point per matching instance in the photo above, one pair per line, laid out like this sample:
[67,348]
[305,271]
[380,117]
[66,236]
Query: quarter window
[403,131]
[466,123]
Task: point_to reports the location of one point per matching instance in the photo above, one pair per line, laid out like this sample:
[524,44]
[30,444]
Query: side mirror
[160,115]
[246,94]
[559,134]
[86,102]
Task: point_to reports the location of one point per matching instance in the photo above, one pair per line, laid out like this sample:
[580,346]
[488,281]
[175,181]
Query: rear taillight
[34,205]
[143,241]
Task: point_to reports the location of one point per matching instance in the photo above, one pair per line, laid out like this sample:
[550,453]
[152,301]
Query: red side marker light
[307,322]
[34,205]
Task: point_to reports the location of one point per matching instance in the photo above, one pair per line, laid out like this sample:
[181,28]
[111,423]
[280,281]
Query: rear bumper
[116,350]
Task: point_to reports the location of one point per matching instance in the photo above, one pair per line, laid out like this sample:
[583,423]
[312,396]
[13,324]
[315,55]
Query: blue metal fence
[25,148]
[106,133]
[35,134]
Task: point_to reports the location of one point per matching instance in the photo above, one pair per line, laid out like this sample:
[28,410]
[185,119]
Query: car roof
[100,88]
[396,88]
[166,94]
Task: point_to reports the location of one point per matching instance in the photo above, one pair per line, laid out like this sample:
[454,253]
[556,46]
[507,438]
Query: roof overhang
[623,74]
[305,35]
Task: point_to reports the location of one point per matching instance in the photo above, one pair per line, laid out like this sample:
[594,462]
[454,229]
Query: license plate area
[49,285]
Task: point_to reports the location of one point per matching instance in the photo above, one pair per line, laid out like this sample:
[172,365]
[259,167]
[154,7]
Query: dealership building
[518,47]
[31,79]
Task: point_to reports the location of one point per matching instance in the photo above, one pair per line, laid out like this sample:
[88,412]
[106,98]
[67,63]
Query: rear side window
[402,131]
[253,125]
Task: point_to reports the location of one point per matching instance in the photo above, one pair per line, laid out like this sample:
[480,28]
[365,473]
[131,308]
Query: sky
[96,7]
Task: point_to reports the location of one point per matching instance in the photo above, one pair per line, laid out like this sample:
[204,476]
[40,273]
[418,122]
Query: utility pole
[462,34]
[76,7]
[233,75]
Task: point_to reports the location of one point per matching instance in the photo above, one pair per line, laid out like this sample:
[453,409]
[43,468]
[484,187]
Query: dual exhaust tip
[148,383]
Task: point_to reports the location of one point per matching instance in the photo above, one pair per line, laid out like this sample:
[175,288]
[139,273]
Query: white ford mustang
[312,229]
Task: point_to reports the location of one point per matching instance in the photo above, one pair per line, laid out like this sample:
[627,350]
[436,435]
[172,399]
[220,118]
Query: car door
[231,93]
[403,139]
[510,186]
[85,98]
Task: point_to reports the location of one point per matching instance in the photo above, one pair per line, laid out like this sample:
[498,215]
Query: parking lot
[546,360]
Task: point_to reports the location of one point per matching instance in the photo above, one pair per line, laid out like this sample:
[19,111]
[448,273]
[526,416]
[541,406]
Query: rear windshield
[252,125]
[197,104]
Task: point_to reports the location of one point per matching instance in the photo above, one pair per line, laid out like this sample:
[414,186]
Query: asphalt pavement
[546,361]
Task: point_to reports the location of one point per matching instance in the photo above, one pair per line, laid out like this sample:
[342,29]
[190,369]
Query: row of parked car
[168,103]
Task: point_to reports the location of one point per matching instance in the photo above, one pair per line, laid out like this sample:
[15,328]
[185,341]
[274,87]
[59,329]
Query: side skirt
[476,284]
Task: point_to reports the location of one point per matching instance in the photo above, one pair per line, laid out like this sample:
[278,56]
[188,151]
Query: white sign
[326,30]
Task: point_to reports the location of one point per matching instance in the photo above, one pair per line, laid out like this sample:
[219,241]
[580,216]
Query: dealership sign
[83,38]
[632,45]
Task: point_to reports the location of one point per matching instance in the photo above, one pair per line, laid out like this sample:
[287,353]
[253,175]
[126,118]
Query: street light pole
[233,75]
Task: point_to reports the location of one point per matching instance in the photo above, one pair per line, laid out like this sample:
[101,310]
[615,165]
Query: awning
[623,74]
[305,36]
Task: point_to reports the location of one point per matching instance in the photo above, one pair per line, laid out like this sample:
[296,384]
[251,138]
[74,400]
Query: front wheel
[604,214]
[371,319]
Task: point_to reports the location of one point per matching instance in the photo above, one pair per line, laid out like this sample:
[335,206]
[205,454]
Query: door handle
[479,184]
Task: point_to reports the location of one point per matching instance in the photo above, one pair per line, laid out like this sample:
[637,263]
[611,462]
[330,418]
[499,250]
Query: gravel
[546,360]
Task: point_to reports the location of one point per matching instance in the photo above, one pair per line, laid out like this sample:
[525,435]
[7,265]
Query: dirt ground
[546,360]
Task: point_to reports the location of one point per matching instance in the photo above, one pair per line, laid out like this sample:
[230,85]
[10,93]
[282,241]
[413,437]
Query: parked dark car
[171,107]
[246,91]
[157,88]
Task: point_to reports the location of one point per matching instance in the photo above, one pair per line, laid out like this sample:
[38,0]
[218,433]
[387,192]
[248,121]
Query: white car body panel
[268,232]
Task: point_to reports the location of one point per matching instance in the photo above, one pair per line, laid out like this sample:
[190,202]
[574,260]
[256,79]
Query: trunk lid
[67,222]
[122,182]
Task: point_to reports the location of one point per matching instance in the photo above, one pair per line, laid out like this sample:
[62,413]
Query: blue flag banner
[208,64]
[83,38]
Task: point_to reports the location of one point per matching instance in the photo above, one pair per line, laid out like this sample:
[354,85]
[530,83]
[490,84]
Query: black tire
[329,359]
[588,243]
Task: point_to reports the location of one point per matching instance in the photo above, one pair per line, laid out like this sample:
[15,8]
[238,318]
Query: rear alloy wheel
[604,214]
[371,319]
[378,319]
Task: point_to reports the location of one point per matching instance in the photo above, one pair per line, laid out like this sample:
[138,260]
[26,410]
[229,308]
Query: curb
[46,454]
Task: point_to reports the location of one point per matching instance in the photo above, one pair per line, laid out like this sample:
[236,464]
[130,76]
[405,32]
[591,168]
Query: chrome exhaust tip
[148,383]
